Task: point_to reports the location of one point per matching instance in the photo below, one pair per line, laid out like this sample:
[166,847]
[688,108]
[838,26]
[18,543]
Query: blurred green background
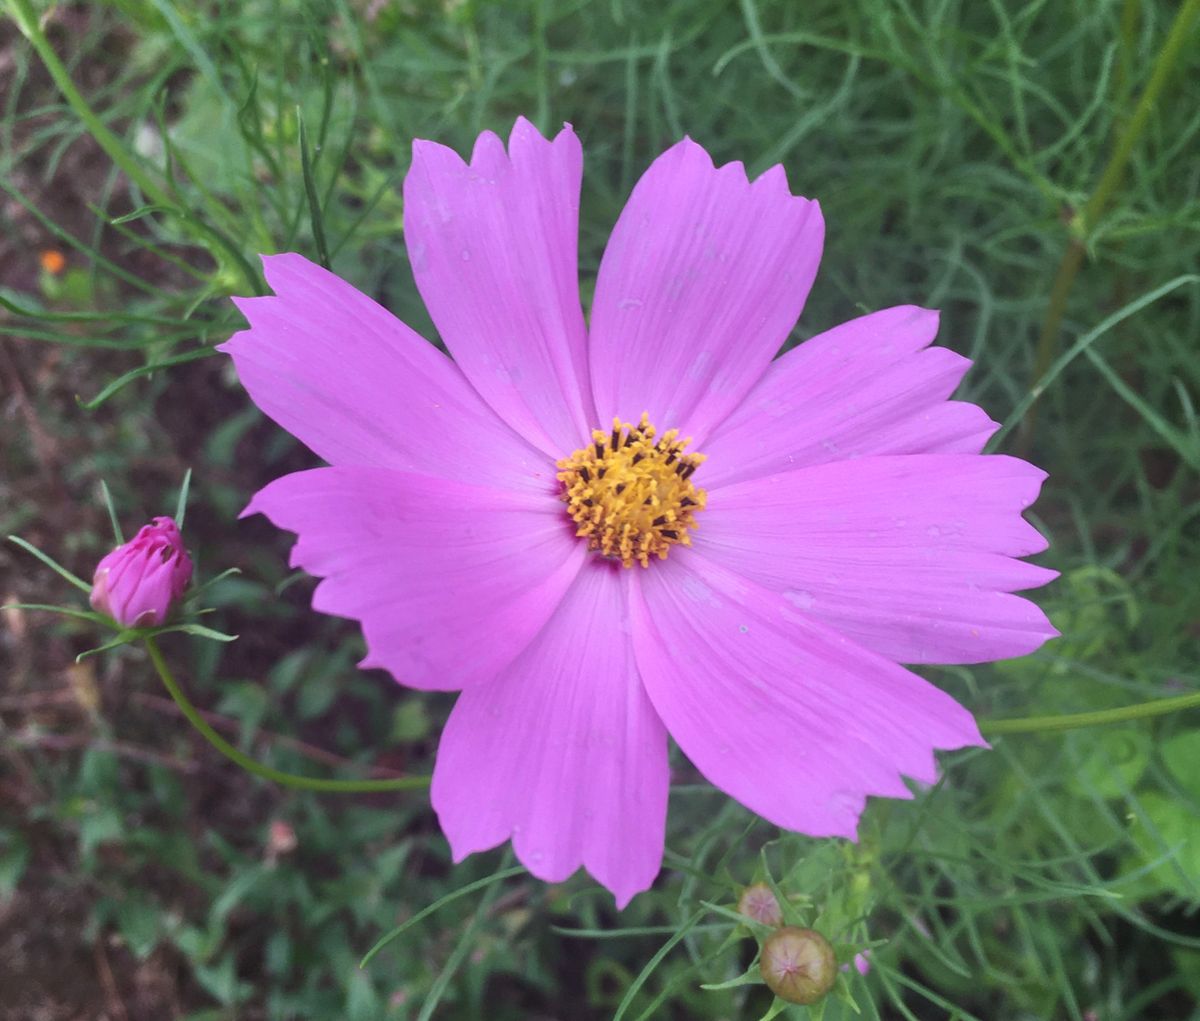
[963,155]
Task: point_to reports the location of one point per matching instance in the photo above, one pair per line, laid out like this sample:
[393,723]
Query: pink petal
[868,386]
[493,249]
[138,583]
[357,386]
[450,581]
[908,556]
[704,277]
[150,602]
[796,722]
[564,753]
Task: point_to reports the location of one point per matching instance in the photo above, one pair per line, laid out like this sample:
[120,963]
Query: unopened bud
[758,903]
[862,963]
[798,965]
[139,582]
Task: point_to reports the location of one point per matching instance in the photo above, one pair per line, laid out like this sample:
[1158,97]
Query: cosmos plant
[603,533]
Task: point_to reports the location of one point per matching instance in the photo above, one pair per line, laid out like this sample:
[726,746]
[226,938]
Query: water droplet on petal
[800,599]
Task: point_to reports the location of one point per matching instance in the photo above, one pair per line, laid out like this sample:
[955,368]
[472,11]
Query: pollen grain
[630,492]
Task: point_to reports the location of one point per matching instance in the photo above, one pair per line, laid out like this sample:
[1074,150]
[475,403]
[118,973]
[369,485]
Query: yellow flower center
[630,492]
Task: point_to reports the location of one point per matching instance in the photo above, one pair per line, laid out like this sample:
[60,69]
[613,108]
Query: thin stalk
[156,192]
[1110,179]
[1102,717]
[257,768]
[27,21]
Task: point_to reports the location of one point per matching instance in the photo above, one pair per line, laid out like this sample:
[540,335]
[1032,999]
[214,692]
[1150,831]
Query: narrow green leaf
[750,977]
[126,637]
[654,962]
[1080,346]
[462,891]
[141,211]
[112,513]
[121,381]
[66,611]
[310,190]
[181,503]
[227,573]
[54,565]
[199,630]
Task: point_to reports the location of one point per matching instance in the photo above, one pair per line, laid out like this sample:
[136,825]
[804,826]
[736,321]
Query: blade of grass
[437,905]
[316,219]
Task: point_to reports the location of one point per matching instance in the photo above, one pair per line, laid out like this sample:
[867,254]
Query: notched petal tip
[433,157]
[934,315]
[460,851]
[278,494]
[525,131]
[774,178]
[624,894]
[286,271]
[255,506]
[250,309]
[488,152]
[528,148]
[972,737]
[772,186]
[686,150]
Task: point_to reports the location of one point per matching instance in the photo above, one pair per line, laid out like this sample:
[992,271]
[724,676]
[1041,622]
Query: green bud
[798,965]
[758,902]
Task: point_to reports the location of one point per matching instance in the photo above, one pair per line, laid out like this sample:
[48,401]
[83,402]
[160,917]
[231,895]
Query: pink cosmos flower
[139,582]
[592,587]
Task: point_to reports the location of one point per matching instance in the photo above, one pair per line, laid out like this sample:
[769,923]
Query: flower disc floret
[630,492]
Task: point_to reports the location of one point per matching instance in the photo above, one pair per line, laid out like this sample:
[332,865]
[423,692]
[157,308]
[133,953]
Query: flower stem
[1073,721]
[257,768]
[156,192]
[1110,179]
[27,21]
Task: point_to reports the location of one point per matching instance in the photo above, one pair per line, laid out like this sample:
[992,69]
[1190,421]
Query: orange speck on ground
[53,261]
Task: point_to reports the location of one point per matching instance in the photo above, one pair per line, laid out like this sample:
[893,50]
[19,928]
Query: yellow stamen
[630,493]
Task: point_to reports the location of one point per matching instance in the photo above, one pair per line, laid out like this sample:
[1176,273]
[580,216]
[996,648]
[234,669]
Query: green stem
[257,768]
[1110,179]
[27,21]
[1163,66]
[1072,721]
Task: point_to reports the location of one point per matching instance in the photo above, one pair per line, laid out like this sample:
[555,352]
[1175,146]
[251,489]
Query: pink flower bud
[862,963]
[759,903]
[798,965]
[281,840]
[139,582]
